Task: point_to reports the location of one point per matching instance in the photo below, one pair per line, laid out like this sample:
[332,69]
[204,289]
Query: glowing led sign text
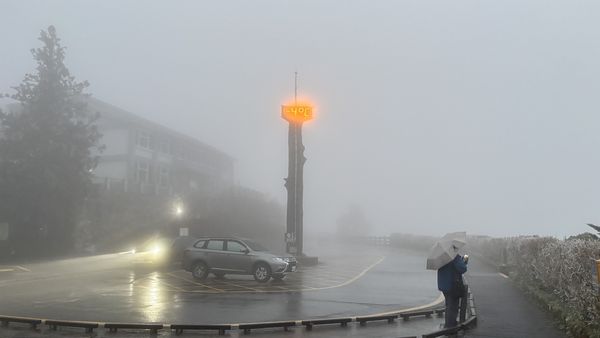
[297,113]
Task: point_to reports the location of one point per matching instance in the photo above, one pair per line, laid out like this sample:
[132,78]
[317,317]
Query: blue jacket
[446,273]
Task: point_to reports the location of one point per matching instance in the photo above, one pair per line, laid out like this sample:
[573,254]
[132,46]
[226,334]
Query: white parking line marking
[241,286]
[194,282]
[503,275]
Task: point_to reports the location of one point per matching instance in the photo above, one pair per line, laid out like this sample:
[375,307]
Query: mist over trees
[47,148]
[244,213]
[353,223]
[118,220]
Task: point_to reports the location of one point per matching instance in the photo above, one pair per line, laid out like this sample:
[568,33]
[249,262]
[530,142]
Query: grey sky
[433,115]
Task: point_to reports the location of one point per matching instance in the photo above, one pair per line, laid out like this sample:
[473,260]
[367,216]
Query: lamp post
[295,114]
[178,211]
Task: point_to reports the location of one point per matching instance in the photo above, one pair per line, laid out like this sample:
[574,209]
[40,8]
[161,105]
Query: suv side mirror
[246,251]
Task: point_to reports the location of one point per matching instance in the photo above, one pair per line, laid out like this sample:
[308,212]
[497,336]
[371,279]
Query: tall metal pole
[294,183]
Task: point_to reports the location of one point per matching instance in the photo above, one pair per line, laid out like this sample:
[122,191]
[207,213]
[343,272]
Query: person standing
[450,283]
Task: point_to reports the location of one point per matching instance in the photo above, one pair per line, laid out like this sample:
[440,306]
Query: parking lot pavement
[12,269]
[113,288]
[324,276]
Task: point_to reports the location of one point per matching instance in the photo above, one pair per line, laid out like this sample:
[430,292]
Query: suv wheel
[200,270]
[262,273]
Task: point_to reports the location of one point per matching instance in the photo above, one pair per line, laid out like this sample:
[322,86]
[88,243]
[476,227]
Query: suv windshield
[255,246]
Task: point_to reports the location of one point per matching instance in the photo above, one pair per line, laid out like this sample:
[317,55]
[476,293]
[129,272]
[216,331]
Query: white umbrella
[444,250]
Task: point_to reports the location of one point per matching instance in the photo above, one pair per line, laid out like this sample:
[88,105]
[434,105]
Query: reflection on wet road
[320,277]
[116,288]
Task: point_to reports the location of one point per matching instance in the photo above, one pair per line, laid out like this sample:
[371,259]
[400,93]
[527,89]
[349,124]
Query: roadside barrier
[363,320]
[379,241]
[453,330]
[429,313]
[467,308]
[245,327]
[310,323]
[88,326]
[113,327]
[220,328]
[34,322]
[265,325]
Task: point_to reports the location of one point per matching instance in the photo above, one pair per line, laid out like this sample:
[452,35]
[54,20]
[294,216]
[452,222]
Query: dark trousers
[451,310]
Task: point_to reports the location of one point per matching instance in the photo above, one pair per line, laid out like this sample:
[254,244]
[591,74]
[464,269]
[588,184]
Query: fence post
[464,300]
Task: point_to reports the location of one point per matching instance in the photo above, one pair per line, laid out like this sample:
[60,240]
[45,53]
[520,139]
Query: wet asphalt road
[504,311]
[121,288]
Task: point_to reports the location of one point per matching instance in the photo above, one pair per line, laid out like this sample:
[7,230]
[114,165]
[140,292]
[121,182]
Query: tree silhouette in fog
[46,152]
[353,223]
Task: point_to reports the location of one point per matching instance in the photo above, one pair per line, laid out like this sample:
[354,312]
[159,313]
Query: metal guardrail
[33,322]
[406,316]
[179,328]
[467,306]
[453,330]
[113,327]
[363,320]
[379,240]
[221,328]
[310,323]
[88,326]
[265,325]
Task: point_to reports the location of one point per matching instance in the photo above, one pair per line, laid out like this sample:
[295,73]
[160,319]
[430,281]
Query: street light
[179,211]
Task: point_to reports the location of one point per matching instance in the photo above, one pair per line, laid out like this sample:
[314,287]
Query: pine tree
[47,152]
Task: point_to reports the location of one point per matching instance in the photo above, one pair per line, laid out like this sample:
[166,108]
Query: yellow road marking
[436,302]
[194,282]
[182,290]
[293,288]
[171,285]
[241,286]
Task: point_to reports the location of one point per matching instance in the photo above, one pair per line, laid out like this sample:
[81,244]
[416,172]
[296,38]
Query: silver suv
[221,256]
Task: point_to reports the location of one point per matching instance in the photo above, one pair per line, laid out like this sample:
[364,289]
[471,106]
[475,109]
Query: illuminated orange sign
[297,113]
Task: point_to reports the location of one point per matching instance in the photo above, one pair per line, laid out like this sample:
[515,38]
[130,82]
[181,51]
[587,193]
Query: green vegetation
[559,274]
[46,154]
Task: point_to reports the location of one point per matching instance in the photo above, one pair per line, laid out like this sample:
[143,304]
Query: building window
[142,171]
[164,146]
[143,139]
[183,152]
[163,176]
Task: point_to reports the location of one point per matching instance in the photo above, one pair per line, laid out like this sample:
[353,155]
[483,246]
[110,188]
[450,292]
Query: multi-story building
[145,157]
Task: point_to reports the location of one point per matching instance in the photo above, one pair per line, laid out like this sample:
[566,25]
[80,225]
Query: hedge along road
[106,288]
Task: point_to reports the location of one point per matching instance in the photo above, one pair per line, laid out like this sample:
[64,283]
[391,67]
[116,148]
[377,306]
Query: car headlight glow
[278,260]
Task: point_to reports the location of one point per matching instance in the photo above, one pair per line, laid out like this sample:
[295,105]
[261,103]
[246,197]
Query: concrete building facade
[141,156]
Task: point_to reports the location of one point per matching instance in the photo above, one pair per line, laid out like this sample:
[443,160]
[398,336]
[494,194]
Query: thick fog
[431,116]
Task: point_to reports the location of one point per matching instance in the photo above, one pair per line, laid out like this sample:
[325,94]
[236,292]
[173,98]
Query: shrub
[561,271]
